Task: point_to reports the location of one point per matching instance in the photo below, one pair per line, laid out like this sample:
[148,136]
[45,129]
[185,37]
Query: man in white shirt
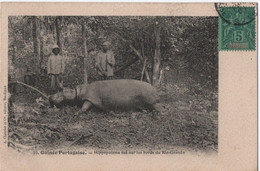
[56,68]
[105,62]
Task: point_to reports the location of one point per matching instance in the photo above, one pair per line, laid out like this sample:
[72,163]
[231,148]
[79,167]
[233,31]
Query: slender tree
[35,36]
[85,51]
[57,26]
[41,41]
[35,60]
[157,54]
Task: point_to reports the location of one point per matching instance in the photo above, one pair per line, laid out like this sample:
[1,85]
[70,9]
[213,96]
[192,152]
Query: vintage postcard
[128,86]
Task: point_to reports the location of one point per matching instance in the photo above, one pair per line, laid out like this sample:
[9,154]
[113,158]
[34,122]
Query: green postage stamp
[236,28]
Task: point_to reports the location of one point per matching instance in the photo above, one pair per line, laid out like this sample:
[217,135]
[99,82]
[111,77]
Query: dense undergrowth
[186,120]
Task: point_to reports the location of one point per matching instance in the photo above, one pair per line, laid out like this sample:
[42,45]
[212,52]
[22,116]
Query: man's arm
[100,69]
[49,65]
[111,60]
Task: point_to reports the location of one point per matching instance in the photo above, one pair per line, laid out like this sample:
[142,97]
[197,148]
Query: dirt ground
[186,121]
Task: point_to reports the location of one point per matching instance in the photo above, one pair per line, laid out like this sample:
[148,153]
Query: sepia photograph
[128,86]
[113,83]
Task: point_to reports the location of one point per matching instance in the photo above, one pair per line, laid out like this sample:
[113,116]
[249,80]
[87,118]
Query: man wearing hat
[105,62]
[56,68]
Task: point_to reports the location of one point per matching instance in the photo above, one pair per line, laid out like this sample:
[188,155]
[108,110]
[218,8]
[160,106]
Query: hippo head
[58,99]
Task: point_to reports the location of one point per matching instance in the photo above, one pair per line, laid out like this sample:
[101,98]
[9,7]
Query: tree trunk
[46,24]
[35,43]
[85,52]
[157,55]
[161,75]
[13,46]
[41,43]
[58,34]
[14,53]
[34,34]
[53,29]
[144,66]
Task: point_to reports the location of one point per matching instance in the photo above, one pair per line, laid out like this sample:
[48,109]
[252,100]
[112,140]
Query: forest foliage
[183,49]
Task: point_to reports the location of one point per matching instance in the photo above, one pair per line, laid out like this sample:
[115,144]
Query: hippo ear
[61,89]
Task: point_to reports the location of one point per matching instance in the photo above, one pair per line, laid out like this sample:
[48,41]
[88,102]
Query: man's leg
[53,80]
[60,81]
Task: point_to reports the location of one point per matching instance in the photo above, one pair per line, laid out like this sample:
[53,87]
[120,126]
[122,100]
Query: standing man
[105,62]
[56,68]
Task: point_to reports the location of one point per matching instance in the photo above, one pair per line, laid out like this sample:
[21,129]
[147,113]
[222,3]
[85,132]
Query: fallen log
[26,85]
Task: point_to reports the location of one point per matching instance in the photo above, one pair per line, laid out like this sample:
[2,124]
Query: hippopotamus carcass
[120,94]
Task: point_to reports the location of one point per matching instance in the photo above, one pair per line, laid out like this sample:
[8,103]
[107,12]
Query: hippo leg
[157,110]
[87,105]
